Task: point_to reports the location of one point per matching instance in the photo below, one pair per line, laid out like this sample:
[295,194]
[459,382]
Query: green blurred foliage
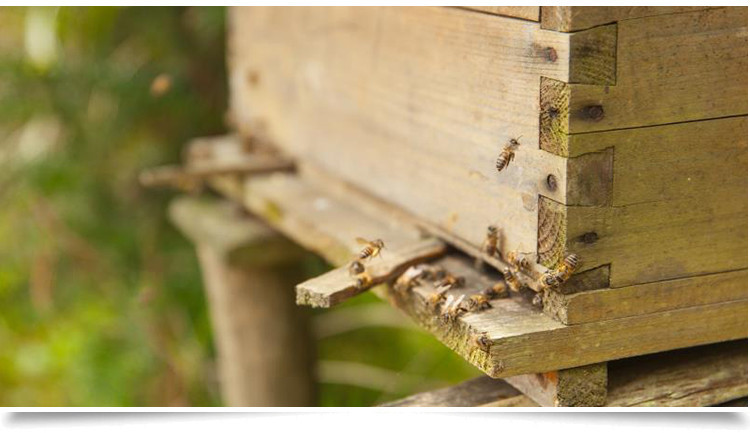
[101,301]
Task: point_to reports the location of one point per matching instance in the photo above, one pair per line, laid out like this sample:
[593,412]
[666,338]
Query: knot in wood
[594,112]
[552,182]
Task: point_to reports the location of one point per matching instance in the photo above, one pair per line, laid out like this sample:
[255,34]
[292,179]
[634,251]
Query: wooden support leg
[262,339]
[581,386]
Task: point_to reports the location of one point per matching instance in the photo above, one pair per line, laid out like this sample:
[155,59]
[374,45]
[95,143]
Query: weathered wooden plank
[479,391]
[606,304]
[317,220]
[338,285]
[593,56]
[226,154]
[523,341]
[388,97]
[584,386]
[670,68]
[530,13]
[700,376]
[169,176]
[675,205]
[575,18]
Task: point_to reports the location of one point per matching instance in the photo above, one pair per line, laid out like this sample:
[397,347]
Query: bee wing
[459,300]
[361,241]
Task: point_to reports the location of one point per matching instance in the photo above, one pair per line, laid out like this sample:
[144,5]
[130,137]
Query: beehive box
[632,132]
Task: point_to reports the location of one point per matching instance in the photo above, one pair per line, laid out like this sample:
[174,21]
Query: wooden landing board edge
[522,338]
[338,285]
[698,376]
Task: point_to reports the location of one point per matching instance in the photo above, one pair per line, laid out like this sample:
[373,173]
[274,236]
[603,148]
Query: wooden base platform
[699,376]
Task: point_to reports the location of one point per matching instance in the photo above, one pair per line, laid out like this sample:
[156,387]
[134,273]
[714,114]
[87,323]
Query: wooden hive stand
[628,133]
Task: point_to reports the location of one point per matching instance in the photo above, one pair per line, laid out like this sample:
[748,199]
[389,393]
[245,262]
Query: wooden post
[265,355]
[580,386]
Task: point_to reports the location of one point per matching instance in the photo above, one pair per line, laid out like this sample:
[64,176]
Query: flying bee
[408,279]
[356,267]
[363,281]
[511,280]
[568,266]
[452,308]
[478,302]
[491,241]
[450,280]
[550,279]
[483,341]
[371,248]
[497,290]
[507,155]
[438,296]
[518,261]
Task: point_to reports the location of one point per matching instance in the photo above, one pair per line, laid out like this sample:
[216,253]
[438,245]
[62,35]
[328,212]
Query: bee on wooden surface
[497,290]
[511,280]
[483,341]
[451,280]
[363,281]
[408,279]
[491,241]
[371,248]
[550,280]
[439,295]
[452,308]
[518,261]
[538,300]
[507,155]
[568,265]
[432,272]
[356,267]
[478,302]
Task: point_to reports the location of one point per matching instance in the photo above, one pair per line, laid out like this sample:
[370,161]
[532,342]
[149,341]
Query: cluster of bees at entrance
[519,262]
[448,306]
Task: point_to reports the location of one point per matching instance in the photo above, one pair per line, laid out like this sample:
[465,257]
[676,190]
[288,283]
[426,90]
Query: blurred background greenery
[101,301]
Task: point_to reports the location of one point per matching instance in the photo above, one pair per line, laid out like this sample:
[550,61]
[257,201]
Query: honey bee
[550,279]
[452,308]
[483,341]
[408,279]
[511,280]
[507,155]
[438,296]
[371,248]
[517,260]
[538,300]
[363,281]
[356,267]
[432,272]
[450,280]
[568,266]
[498,290]
[478,302]
[491,240]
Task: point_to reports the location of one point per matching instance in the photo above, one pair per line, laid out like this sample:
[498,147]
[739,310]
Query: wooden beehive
[632,124]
